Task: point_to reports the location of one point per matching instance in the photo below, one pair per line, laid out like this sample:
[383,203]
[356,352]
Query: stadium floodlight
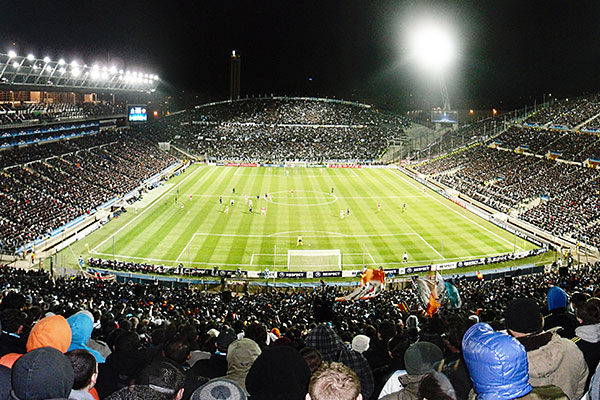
[61,62]
[75,72]
[95,67]
[432,46]
[12,54]
[113,70]
[47,59]
[30,57]
[62,70]
[74,64]
[35,67]
[105,69]
[104,75]
[15,64]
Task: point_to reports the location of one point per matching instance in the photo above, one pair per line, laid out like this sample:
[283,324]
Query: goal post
[314,260]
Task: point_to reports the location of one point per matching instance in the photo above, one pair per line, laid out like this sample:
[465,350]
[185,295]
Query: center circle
[296,200]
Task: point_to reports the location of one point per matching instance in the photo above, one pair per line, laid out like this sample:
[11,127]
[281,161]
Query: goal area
[319,260]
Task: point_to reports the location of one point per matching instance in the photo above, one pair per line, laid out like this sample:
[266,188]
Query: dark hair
[436,386]
[84,366]
[164,375]
[12,319]
[589,312]
[177,350]
[312,357]
[127,341]
[386,330]
[256,332]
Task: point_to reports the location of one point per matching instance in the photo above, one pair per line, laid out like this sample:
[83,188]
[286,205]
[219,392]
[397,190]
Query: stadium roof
[28,73]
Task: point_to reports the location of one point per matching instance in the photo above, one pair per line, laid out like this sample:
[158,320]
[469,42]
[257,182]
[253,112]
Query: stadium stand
[134,325]
[44,186]
[535,170]
[282,129]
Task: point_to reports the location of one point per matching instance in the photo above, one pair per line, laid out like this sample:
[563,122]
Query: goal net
[302,260]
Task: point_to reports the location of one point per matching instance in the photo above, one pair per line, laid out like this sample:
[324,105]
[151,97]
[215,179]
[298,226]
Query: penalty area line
[430,246]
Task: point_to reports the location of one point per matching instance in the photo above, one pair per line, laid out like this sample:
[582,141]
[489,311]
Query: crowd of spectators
[280,344]
[66,179]
[34,113]
[279,130]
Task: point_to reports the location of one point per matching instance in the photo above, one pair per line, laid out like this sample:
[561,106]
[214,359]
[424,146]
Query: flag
[372,282]
[453,295]
[432,292]
[403,307]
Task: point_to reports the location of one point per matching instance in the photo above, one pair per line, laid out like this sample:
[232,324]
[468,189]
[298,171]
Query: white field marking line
[372,259]
[236,171]
[282,255]
[186,246]
[252,259]
[148,207]
[454,211]
[305,197]
[430,246]
[354,172]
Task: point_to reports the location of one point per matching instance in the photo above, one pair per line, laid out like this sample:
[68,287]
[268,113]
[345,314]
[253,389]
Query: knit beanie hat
[420,358]
[43,373]
[360,343]
[557,298]
[524,316]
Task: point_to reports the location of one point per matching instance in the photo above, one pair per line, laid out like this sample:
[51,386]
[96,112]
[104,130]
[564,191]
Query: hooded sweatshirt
[241,354]
[82,326]
[588,340]
[53,331]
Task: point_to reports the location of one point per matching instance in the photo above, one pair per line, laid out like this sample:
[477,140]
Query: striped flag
[432,292]
[372,282]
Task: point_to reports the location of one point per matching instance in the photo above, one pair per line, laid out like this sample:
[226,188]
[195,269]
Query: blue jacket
[497,363]
[81,327]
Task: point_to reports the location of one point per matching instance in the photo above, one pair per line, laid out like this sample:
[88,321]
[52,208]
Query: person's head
[163,377]
[256,332]
[577,299]
[523,317]
[13,320]
[333,381]
[312,357]
[43,373]
[360,343]
[241,354]
[386,330]
[421,357]
[177,350]
[225,338]
[436,386]
[127,341]
[53,331]
[497,363]
[557,298]
[588,313]
[85,369]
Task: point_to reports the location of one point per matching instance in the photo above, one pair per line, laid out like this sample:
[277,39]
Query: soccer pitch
[184,221]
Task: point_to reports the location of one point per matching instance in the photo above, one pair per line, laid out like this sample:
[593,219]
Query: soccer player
[233,191]
[299,242]
[403,207]
[226,209]
[250,209]
[332,190]
[182,206]
[378,206]
[245,198]
[221,200]
[263,211]
[347,212]
[405,257]
[232,202]
[270,197]
[292,192]
[341,214]
[258,197]
[250,203]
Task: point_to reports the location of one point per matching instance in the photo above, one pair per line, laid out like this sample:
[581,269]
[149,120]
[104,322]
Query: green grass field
[431,230]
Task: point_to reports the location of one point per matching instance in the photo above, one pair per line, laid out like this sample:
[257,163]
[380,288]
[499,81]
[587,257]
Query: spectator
[217,389]
[216,365]
[43,373]
[82,325]
[559,316]
[279,373]
[419,361]
[85,370]
[312,357]
[241,354]
[498,366]
[436,386]
[588,334]
[552,360]
[13,326]
[334,381]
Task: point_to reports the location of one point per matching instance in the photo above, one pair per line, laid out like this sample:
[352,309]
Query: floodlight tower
[433,49]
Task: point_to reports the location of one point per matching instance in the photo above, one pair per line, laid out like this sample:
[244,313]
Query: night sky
[511,52]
